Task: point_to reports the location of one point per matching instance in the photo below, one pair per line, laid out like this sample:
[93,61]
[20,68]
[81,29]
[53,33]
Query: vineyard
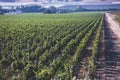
[49,46]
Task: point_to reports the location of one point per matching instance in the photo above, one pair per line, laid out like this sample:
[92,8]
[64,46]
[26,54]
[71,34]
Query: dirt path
[109,59]
[113,24]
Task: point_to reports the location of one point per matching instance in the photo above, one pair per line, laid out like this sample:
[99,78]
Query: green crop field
[46,46]
[118,17]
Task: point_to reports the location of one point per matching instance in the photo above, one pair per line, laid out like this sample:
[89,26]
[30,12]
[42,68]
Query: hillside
[89,6]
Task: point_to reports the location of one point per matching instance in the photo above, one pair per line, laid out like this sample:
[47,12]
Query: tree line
[49,10]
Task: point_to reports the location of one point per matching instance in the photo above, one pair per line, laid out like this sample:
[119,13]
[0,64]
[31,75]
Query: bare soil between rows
[108,63]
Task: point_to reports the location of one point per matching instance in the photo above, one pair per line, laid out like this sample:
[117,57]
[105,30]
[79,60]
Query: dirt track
[113,24]
[109,57]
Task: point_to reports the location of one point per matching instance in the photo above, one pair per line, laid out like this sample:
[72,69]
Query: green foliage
[118,17]
[95,50]
[37,46]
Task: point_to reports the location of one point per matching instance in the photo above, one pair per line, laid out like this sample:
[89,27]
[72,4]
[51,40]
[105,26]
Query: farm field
[58,46]
[107,62]
[118,16]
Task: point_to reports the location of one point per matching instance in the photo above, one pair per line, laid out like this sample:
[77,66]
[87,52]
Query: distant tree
[50,10]
[18,8]
[42,9]
[53,9]
[33,8]
[47,11]
[64,11]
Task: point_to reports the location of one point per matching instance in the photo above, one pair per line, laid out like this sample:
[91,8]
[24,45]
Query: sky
[60,0]
[101,0]
[55,2]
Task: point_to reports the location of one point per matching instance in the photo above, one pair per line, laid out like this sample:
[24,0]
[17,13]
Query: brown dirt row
[108,63]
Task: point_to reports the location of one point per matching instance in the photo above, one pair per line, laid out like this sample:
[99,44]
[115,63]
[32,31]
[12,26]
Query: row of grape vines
[44,47]
[95,50]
